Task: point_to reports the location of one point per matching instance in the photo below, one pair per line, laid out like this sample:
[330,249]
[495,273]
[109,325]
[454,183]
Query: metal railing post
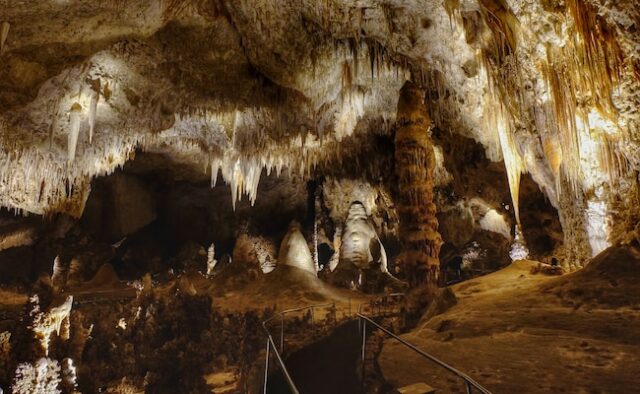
[266,367]
[364,347]
[468,387]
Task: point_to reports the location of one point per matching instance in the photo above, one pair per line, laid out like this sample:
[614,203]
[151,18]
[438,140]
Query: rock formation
[294,250]
[415,165]
[211,259]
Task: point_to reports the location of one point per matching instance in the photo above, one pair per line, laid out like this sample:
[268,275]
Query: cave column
[414,167]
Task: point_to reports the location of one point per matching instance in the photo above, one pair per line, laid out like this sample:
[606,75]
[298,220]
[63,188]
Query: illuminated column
[414,167]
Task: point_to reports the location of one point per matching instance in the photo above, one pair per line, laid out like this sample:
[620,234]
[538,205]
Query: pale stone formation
[93,108]
[415,164]
[294,250]
[360,244]
[211,259]
[362,261]
[56,319]
[75,116]
[337,244]
[43,377]
[519,249]
[59,275]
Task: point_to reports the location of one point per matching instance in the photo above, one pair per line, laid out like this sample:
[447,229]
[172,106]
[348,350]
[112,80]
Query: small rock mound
[610,280]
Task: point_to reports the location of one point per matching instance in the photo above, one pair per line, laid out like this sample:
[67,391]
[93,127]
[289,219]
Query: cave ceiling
[550,87]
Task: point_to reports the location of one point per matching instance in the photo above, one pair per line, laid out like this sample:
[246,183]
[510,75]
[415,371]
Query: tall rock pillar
[414,168]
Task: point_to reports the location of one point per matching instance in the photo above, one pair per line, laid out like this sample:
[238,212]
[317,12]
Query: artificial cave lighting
[216,196]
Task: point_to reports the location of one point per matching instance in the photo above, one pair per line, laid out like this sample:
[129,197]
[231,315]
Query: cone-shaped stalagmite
[414,166]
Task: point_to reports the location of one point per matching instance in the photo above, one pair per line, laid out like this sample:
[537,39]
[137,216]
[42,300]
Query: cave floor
[282,289]
[516,332]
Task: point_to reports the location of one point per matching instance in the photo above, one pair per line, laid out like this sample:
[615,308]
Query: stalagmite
[211,260]
[59,276]
[360,245]
[75,116]
[519,250]
[415,164]
[56,319]
[4,32]
[294,250]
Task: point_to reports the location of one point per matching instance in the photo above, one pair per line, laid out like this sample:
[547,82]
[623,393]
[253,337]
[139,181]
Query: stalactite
[75,116]
[93,107]
[581,77]
[499,120]
[215,168]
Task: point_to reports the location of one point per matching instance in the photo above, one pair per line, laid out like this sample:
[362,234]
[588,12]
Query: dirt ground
[516,332]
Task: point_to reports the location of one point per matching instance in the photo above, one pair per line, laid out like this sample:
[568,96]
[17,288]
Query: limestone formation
[211,259]
[56,319]
[294,250]
[415,164]
[59,275]
[43,377]
[360,244]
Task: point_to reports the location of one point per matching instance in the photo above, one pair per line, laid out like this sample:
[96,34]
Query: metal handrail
[469,382]
[272,345]
[283,313]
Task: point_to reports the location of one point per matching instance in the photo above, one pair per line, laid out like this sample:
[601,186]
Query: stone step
[417,388]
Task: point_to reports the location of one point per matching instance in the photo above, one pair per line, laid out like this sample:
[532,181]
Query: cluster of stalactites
[581,78]
[579,126]
[37,180]
[497,120]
